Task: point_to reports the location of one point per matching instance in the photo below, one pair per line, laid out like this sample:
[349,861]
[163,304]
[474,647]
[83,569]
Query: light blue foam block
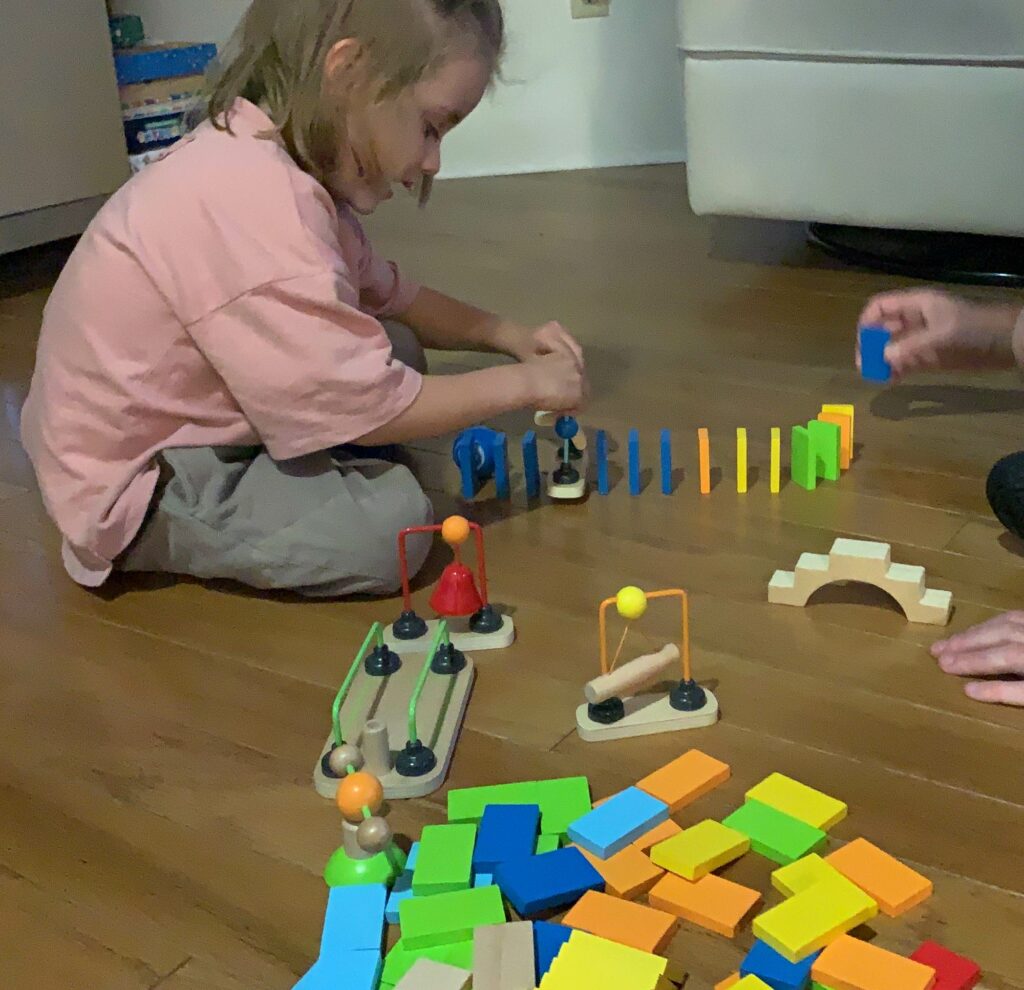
[612,826]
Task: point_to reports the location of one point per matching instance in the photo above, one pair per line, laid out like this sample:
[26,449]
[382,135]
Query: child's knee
[405,507]
[1005,491]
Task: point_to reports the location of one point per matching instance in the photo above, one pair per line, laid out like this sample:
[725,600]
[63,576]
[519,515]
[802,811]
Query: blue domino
[551,880]
[873,365]
[354,920]
[531,465]
[602,463]
[778,972]
[634,462]
[467,471]
[666,462]
[612,826]
[500,449]
[506,831]
[483,880]
[548,939]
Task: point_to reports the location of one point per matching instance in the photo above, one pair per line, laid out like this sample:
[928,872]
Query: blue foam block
[548,939]
[612,826]
[401,891]
[666,462]
[354,920]
[414,854]
[531,464]
[500,449]
[873,365]
[778,972]
[551,880]
[634,462]
[507,831]
[352,970]
[483,880]
[602,463]
[467,471]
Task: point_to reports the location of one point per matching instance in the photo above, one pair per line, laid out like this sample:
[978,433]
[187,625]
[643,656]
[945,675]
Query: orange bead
[357,791]
[455,530]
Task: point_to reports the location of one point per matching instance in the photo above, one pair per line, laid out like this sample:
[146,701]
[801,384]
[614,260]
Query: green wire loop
[376,633]
[439,636]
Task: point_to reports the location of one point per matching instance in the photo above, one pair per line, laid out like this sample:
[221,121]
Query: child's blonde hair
[277,55]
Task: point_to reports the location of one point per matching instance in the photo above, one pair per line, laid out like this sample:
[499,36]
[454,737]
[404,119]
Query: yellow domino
[843,409]
[798,801]
[776,469]
[813,918]
[741,461]
[587,961]
[697,851]
[750,982]
[798,876]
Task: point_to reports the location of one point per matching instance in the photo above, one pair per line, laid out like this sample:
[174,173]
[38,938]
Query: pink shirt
[219,298]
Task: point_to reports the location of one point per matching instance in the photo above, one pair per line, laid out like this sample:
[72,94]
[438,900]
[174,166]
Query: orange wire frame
[684,643]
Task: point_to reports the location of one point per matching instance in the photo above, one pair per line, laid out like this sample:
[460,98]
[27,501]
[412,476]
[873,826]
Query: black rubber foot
[409,626]
[1005,491]
[607,712]
[325,765]
[415,760]
[486,620]
[565,474]
[448,660]
[574,452]
[381,662]
[687,696]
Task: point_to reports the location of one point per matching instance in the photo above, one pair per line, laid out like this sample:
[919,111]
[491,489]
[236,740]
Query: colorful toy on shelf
[613,709]
[383,699]
[868,563]
[473,623]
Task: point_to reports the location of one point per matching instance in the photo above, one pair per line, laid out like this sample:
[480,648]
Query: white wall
[576,94]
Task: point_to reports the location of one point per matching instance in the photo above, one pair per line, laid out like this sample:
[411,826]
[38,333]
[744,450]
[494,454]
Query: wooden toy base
[646,715]
[462,637]
[441,710]
[567,493]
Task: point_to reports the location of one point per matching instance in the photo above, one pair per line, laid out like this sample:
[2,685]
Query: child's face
[398,141]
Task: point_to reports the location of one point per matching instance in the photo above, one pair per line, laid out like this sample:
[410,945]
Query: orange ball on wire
[455,530]
[357,791]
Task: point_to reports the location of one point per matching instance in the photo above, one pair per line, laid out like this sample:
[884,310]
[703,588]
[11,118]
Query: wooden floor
[157,822]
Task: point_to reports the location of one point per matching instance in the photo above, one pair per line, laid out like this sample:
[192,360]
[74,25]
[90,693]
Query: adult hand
[990,649]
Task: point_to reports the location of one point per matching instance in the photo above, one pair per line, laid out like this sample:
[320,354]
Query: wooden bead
[344,756]
[374,835]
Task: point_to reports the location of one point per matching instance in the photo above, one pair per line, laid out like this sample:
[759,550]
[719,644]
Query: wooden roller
[630,677]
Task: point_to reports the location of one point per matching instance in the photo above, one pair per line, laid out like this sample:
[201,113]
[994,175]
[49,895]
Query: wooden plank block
[704,456]
[775,477]
[845,430]
[712,902]
[775,835]
[445,860]
[587,960]
[666,462]
[895,886]
[952,972]
[552,880]
[801,874]
[802,468]
[825,445]
[685,779]
[401,958]
[798,800]
[627,874]
[507,831]
[426,974]
[741,461]
[635,925]
[444,918]
[659,833]
[620,820]
[849,964]
[700,849]
[633,445]
[603,486]
[730,981]
[503,957]
[843,409]
[778,972]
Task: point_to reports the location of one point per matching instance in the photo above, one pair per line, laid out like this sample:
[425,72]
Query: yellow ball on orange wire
[631,602]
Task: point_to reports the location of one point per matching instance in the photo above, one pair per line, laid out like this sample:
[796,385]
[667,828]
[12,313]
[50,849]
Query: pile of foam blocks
[477,899]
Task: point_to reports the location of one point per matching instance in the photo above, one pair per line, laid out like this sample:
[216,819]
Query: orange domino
[635,925]
[704,450]
[896,887]
[845,443]
[712,902]
[685,779]
[850,964]
[659,833]
[627,874]
[731,980]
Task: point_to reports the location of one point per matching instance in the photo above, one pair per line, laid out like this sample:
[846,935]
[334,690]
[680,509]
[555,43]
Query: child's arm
[935,331]
[448,324]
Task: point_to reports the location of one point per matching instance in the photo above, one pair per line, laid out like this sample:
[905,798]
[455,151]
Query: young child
[934,331]
[216,331]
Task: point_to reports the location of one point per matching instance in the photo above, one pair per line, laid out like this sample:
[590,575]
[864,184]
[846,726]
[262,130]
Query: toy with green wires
[386,700]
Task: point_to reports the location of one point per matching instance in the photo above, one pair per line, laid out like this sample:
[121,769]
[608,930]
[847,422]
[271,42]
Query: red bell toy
[456,592]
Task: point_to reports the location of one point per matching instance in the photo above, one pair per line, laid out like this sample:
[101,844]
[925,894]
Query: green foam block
[445,918]
[775,835]
[826,440]
[802,467]
[401,958]
[445,859]
[561,801]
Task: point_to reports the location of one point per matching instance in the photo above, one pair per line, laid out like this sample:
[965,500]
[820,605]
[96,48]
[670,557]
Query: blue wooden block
[500,450]
[602,463]
[551,880]
[666,462]
[401,891]
[507,831]
[359,970]
[873,365]
[612,826]
[548,939]
[531,464]
[354,920]
[467,471]
[483,880]
[634,462]
[414,855]
[778,972]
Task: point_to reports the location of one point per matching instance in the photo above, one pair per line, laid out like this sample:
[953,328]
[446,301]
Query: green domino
[819,986]
[775,835]
[802,464]
[826,439]
[445,918]
[445,860]
[401,959]
[561,801]
[546,844]
[467,804]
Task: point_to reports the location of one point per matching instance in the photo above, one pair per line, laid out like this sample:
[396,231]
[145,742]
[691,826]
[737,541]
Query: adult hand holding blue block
[873,366]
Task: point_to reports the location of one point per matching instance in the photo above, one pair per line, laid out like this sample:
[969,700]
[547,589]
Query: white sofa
[876,113]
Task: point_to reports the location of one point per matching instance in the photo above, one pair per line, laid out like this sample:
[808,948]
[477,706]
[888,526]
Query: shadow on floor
[921,401]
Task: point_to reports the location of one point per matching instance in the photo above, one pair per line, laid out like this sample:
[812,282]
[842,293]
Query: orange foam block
[635,925]
[685,779]
[896,887]
[704,453]
[627,874]
[849,964]
[659,833]
[845,424]
[731,980]
[712,902]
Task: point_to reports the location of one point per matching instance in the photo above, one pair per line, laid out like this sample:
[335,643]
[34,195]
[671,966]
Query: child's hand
[524,343]
[994,648]
[557,380]
[934,331]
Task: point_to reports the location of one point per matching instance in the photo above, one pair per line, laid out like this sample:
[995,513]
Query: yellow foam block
[750,982]
[697,851]
[798,801]
[844,409]
[804,873]
[813,918]
[587,962]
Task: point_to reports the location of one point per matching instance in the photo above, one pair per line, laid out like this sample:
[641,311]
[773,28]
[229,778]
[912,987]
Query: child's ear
[342,65]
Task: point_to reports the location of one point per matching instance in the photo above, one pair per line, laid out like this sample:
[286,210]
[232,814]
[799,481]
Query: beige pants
[323,525]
